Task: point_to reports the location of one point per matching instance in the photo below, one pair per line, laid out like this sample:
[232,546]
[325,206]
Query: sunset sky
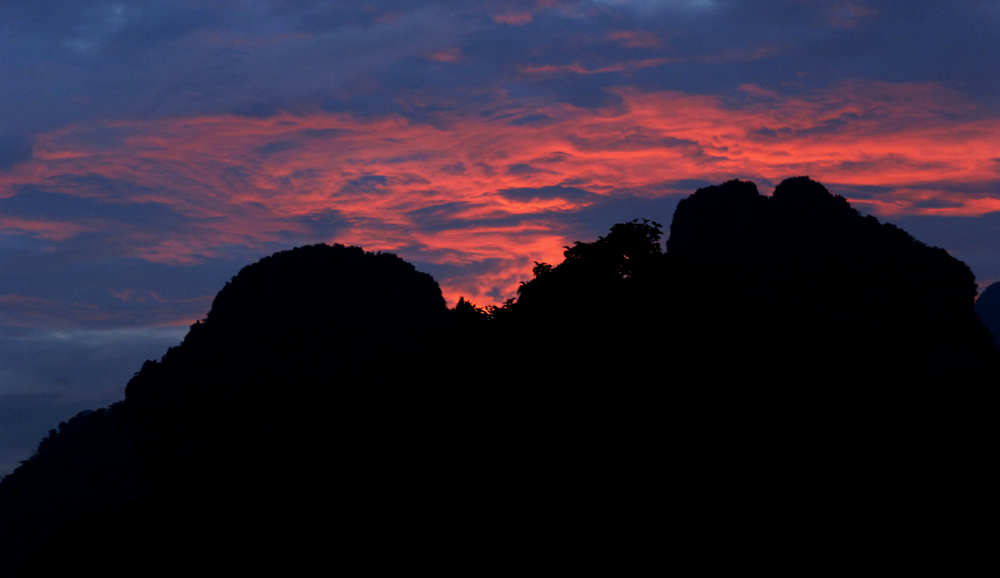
[149,149]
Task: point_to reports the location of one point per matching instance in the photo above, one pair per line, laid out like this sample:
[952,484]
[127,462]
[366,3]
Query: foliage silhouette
[331,396]
[810,280]
[295,355]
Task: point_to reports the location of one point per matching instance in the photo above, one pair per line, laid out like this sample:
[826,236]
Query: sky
[149,149]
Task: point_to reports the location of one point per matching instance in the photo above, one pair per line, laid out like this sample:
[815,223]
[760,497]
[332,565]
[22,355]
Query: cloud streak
[149,149]
[483,184]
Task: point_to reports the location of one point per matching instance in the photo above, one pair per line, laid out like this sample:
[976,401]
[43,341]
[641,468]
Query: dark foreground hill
[263,418]
[797,289]
[806,286]
[988,308]
[785,360]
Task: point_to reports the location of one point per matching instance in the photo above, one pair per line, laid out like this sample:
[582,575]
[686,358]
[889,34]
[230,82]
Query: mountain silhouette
[988,308]
[331,407]
[805,282]
[237,423]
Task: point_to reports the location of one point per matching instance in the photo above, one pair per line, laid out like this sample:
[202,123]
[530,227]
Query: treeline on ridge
[334,387]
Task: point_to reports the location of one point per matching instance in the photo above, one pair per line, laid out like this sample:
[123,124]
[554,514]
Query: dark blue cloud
[148,34]
[523,169]
[34,203]
[973,240]
[48,377]
[71,61]
[857,191]
[532,120]
[687,186]
[937,204]
[443,216]
[587,222]
[637,139]
[326,133]
[142,58]
[92,63]
[453,169]
[65,291]
[277,147]
[595,220]
[14,149]
[552,192]
[323,224]
[94,277]
[366,184]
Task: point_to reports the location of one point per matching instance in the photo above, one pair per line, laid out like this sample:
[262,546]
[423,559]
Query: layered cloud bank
[149,150]
[152,141]
[474,194]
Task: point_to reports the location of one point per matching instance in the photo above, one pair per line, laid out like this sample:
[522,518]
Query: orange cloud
[432,192]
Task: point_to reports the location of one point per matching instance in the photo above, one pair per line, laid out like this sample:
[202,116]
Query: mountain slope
[331,406]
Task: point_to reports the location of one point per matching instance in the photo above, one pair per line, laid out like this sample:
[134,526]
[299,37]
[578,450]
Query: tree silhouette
[810,280]
[331,406]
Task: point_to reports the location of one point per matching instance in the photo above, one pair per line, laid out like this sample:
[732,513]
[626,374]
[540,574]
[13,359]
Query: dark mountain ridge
[988,308]
[806,275]
[330,397]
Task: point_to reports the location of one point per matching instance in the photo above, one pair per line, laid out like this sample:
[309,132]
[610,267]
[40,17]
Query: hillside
[331,397]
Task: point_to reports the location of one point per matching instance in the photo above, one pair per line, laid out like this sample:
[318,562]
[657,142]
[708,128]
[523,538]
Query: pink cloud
[26,311]
[636,38]
[42,229]
[448,55]
[546,70]
[514,18]
[251,181]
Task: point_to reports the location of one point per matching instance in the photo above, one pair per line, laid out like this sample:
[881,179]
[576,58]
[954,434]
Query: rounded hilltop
[332,385]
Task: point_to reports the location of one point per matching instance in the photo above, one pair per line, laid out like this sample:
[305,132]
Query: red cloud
[432,192]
